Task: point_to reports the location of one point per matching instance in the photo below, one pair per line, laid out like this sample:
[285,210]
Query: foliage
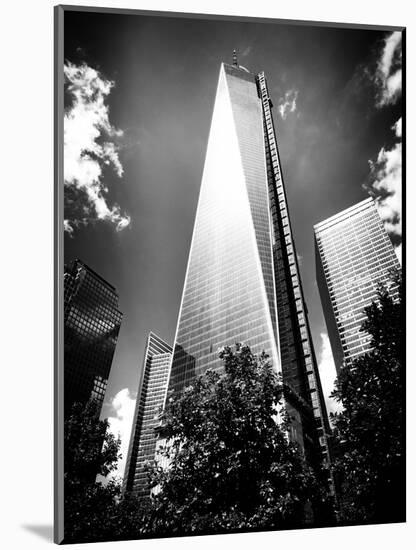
[93,510]
[370,468]
[231,465]
[90,448]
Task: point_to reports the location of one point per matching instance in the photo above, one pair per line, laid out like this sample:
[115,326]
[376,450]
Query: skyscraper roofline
[243,70]
[88,268]
[344,214]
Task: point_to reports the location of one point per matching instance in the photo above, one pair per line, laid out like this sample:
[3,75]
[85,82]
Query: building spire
[235,63]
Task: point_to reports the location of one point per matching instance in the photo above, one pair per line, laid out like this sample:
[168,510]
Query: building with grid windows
[242,281]
[150,401]
[354,254]
[91,326]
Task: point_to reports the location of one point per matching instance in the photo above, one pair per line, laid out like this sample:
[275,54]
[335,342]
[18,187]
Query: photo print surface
[231,275]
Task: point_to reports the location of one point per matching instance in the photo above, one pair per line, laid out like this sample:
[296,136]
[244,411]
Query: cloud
[388,75]
[288,103]
[385,178]
[89,146]
[120,418]
[398,251]
[68,227]
[397,127]
[327,373]
[385,184]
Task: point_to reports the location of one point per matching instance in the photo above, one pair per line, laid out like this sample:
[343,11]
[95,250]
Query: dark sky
[165,72]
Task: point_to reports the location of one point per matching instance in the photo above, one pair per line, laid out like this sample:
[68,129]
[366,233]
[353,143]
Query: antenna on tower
[235,63]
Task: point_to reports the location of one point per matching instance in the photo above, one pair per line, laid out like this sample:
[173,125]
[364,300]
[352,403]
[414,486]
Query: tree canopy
[231,464]
[93,510]
[90,448]
[370,467]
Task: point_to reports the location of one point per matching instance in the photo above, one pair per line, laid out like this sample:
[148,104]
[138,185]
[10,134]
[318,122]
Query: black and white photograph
[230,309]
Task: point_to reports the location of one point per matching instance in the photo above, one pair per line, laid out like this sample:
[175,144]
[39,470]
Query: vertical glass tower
[91,326]
[150,400]
[353,255]
[242,281]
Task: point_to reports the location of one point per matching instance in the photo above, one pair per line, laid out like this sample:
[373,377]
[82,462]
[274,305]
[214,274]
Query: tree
[231,465]
[93,510]
[90,448]
[370,468]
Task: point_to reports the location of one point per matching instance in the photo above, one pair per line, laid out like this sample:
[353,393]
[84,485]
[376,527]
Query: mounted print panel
[229,243]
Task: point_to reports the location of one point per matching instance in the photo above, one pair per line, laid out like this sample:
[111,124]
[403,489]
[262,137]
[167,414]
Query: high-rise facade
[91,326]
[242,281]
[150,401]
[354,254]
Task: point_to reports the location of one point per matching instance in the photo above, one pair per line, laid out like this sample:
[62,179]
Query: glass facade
[305,401]
[229,290]
[91,326]
[150,400]
[242,282]
[354,254]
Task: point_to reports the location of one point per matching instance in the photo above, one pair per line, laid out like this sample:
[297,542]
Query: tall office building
[242,281]
[91,326]
[353,255]
[150,400]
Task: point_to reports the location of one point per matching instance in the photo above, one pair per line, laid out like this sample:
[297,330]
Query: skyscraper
[150,400]
[353,255]
[91,326]
[242,281]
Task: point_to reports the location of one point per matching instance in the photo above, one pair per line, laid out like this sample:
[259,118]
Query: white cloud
[327,373]
[386,183]
[397,127]
[385,179]
[288,103]
[68,227]
[120,418]
[89,146]
[388,75]
[398,250]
